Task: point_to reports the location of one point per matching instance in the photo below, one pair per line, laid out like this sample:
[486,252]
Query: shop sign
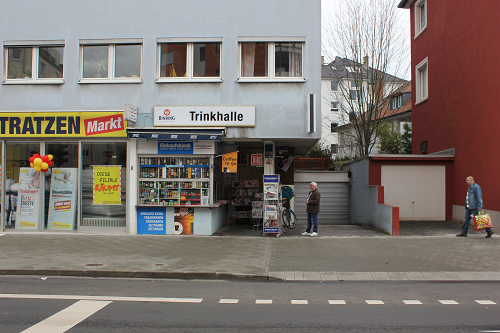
[107,188]
[256,159]
[206,116]
[151,220]
[62,124]
[28,199]
[131,113]
[175,147]
[230,162]
[62,203]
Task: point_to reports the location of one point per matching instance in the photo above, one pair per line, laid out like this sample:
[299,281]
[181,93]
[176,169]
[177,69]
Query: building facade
[454,77]
[137,110]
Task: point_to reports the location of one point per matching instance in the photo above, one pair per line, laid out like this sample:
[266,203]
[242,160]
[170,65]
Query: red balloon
[32,159]
[36,155]
[50,163]
[45,170]
[45,158]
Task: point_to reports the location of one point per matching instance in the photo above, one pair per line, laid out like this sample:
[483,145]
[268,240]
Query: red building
[455,77]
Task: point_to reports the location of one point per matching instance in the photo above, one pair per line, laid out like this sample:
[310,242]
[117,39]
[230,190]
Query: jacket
[313,205]
[474,199]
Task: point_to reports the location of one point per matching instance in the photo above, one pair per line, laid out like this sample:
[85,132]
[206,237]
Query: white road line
[299,301]
[411,301]
[263,301]
[485,302]
[228,301]
[448,302]
[106,298]
[336,301]
[67,318]
[374,301]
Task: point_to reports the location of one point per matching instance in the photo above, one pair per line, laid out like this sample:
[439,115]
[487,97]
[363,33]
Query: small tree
[392,142]
[318,151]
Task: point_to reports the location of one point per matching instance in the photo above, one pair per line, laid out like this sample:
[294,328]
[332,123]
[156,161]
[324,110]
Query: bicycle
[288,217]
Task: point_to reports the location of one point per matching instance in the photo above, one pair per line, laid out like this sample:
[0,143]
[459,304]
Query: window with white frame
[335,86]
[420,17]
[396,102]
[189,60]
[271,61]
[34,63]
[335,106]
[114,62]
[421,84]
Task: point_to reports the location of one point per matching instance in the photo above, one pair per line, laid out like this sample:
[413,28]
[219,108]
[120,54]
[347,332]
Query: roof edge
[405,3]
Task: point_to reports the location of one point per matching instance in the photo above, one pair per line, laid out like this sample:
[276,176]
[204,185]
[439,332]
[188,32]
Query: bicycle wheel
[289,218]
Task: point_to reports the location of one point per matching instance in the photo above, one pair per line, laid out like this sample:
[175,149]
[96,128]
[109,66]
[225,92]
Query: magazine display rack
[272,202]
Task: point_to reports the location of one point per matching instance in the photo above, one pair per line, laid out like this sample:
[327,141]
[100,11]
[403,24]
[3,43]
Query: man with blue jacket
[473,203]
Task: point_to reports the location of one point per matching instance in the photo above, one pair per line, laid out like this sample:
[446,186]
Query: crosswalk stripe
[299,301]
[228,301]
[263,301]
[485,302]
[67,318]
[374,301]
[107,298]
[448,302]
[411,301]
[336,301]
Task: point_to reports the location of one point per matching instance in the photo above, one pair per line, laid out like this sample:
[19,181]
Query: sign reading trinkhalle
[240,116]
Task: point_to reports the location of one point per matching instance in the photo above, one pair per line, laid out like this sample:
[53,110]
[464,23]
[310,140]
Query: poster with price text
[28,199]
[62,204]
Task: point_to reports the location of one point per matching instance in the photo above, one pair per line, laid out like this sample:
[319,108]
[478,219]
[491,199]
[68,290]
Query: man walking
[473,203]
[312,204]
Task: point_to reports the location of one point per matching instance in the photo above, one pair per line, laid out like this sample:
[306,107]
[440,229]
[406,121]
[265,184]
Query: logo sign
[166,147]
[131,113]
[230,162]
[206,116]
[271,178]
[62,124]
[256,159]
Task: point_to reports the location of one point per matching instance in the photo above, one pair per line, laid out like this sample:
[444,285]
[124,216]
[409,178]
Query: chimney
[365,62]
[322,60]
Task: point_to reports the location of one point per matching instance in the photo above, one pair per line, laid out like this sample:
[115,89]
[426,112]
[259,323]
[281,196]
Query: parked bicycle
[288,217]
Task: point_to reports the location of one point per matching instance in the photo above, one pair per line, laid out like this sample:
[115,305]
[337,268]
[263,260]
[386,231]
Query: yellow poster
[107,188]
[230,162]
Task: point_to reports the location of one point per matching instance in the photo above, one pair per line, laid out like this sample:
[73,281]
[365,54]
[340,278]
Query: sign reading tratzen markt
[240,116]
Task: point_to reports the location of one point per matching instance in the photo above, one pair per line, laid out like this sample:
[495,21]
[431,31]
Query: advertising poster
[28,199]
[107,185]
[230,162]
[151,220]
[62,204]
[183,221]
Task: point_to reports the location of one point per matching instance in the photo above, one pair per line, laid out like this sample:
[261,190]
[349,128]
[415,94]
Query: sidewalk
[340,253]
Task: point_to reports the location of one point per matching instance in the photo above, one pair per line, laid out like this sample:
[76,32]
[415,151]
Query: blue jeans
[467,219]
[312,220]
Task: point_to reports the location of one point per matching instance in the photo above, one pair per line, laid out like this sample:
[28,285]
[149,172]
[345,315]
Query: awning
[175,135]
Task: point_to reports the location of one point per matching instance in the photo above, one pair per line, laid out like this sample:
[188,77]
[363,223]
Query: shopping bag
[482,221]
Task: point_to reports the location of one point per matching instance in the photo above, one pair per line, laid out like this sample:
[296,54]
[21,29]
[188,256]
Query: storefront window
[61,187]
[104,174]
[17,175]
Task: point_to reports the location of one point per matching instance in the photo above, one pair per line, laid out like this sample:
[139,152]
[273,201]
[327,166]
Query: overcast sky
[328,6]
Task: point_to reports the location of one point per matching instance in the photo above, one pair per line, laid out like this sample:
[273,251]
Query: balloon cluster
[42,163]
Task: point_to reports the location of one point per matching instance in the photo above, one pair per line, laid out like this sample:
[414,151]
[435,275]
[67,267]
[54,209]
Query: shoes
[314,234]
[461,235]
[305,233]
[487,236]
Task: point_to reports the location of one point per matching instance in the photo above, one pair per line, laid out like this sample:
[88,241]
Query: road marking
[228,301]
[106,298]
[299,301]
[336,301]
[411,301]
[374,301]
[263,301]
[448,302]
[67,318]
[485,302]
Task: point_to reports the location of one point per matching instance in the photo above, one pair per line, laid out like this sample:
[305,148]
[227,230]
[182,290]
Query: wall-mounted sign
[206,116]
[151,220]
[131,113]
[190,147]
[62,124]
[256,160]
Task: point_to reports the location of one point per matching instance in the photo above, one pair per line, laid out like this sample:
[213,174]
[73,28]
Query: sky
[329,6]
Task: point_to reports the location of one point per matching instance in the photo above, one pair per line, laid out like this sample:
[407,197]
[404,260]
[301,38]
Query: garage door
[334,205]
[418,191]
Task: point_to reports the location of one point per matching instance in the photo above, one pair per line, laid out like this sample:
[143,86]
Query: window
[335,106]
[34,64]
[420,17]
[334,127]
[277,61]
[334,148]
[184,61]
[396,102]
[111,63]
[335,86]
[421,84]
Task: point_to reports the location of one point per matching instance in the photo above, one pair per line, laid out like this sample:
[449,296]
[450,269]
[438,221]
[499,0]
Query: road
[32,304]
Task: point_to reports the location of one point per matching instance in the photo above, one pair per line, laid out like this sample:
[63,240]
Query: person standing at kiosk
[312,209]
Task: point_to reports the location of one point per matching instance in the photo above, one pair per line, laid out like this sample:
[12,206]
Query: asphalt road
[145,305]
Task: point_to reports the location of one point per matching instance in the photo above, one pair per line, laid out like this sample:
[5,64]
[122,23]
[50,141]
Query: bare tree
[371,54]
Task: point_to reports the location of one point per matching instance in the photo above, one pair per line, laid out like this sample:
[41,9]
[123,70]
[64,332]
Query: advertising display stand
[272,203]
